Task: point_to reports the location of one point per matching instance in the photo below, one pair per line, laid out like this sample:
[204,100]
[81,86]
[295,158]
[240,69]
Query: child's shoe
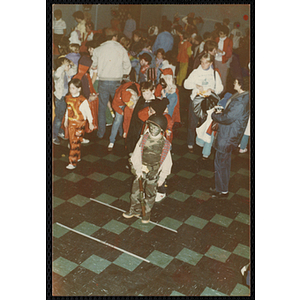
[62,136]
[110,146]
[146,218]
[56,142]
[85,141]
[243,150]
[70,167]
[159,196]
[130,214]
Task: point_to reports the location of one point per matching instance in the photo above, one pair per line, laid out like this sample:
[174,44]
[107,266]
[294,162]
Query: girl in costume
[78,111]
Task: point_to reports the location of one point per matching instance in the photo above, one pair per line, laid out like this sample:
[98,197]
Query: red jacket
[228,44]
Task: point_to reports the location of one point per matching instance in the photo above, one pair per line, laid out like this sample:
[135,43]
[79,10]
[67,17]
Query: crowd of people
[132,80]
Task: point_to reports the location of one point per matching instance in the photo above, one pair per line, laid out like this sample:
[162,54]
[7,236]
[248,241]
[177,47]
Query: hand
[163,93]
[124,135]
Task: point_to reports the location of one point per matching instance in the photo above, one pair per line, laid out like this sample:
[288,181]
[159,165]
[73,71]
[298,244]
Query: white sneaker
[85,141]
[79,160]
[61,135]
[243,150]
[159,196]
[110,146]
[70,167]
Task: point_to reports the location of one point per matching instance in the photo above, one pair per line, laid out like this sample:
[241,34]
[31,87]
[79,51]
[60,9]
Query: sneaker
[70,167]
[107,125]
[85,141]
[110,146]
[191,148]
[220,195]
[69,145]
[56,141]
[62,136]
[146,218]
[204,157]
[130,214]
[243,150]
[159,196]
[79,160]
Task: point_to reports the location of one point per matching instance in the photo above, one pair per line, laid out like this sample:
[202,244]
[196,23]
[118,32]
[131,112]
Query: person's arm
[136,159]
[95,74]
[230,114]
[190,82]
[172,103]
[165,169]
[126,63]
[219,84]
[184,20]
[59,72]
[86,112]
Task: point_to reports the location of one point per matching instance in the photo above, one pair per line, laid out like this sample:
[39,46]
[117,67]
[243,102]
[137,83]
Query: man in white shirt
[59,27]
[111,61]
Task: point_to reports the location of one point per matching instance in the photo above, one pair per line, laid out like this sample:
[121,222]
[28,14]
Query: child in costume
[78,111]
[152,162]
[61,77]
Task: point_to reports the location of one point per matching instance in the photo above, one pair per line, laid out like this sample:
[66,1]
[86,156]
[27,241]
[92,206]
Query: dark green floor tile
[63,267]
[73,177]
[115,226]
[159,259]
[56,202]
[175,157]
[54,178]
[170,223]
[201,195]
[240,290]
[217,253]
[243,172]
[196,222]
[206,173]
[186,174]
[126,197]
[111,157]
[97,176]
[221,220]
[95,264]
[211,292]
[143,227]
[106,198]
[79,200]
[243,192]
[120,176]
[232,173]
[87,228]
[242,250]
[58,231]
[189,256]
[127,262]
[191,156]
[90,158]
[243,218]
[179,196]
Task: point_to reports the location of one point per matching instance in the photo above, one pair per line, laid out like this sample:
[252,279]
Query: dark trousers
[192,125]
[222,171]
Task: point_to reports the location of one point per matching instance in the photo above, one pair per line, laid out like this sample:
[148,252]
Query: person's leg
[244,142]
[118,122]
[192,124]
[207,147]
[150,192]
[222,171]
[103,99]
[60,109]
[135,204]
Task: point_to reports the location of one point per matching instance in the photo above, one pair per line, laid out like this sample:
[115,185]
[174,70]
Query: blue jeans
[244,142]
[106,89]
[117,126]
[60,110]
[206,146]
[192,125]
[222,171]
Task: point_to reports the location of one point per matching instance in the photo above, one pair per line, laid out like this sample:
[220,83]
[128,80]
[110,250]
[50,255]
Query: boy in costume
[151,162]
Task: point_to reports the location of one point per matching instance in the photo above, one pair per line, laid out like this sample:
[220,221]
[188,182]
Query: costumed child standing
[151,163]
[78,111]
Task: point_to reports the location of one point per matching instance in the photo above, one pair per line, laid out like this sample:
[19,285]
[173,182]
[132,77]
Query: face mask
[154,129]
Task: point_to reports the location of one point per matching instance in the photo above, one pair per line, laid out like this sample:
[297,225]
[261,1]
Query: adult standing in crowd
[165,39]
[112,62]
[130,26]
[232,124]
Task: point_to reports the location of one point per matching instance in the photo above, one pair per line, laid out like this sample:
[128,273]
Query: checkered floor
[200,253]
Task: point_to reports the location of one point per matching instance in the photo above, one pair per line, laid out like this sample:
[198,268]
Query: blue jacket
[165,41]
[232,122]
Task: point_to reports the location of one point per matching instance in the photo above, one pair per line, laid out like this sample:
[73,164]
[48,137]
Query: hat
[160,121]
[167,71]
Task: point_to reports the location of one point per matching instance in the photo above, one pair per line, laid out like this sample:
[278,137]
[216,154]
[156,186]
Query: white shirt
[59,26]
[218,56]
[237,34]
